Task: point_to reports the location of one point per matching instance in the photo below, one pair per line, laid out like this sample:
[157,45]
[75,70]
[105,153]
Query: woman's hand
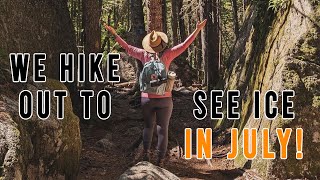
[110,29]
[200,25]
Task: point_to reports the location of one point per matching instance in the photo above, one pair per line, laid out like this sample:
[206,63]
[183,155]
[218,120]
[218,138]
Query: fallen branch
[197,85]
[125,84]
[117,89]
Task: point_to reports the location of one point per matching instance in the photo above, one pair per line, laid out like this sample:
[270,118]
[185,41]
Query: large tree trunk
[155,17]
[56,22]
[92,41]
[210,41]
[137,23]
[214,44]
[92,32]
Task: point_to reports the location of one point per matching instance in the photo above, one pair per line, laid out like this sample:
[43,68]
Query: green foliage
[277,5]
[121,30]
[114,47]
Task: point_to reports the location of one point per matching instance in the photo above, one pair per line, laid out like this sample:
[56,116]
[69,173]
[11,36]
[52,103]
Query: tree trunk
[92,31]
[137,33]
[191,51]
[235,18]
[137,23]
[210,38]
[214,43]
[155,17]
[182,27]
[129,13]
[199,61]
[174,21]
[164,16]
[92,41]
[203,15]
[79,25]
[34,26]
[105,46]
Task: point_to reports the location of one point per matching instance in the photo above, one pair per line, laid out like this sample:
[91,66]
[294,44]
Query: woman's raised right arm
[131,50]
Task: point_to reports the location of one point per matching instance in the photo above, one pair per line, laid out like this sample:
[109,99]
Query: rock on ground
[147,171]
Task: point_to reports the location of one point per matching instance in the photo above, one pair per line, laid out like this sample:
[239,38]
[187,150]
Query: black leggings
[156,110]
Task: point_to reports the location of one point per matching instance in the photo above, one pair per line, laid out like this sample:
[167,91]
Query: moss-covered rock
[280,51]
[35,148]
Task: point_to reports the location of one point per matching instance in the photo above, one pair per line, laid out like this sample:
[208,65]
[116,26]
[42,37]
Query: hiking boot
[160,162]
[160,159]
[146,156]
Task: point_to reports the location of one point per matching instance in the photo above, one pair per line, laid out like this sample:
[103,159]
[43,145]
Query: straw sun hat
[155,42]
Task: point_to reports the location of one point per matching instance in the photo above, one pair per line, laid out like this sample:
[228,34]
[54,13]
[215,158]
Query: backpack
[153,77]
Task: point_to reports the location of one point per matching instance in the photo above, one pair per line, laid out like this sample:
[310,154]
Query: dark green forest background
[247,45]
[206,59]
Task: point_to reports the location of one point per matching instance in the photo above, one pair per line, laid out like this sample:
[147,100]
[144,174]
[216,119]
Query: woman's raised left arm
[175,51]
[135,52]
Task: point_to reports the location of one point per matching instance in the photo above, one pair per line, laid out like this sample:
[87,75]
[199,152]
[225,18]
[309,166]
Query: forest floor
[106,145]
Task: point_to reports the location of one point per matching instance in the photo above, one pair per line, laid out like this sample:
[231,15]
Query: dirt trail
[105,152]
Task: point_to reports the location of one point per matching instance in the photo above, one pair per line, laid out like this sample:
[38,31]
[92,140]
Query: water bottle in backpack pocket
[153,77]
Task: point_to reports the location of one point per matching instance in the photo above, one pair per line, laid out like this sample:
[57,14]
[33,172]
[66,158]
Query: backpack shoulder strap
[158,58]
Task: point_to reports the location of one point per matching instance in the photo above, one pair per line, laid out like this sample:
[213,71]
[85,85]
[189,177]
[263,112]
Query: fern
[277,5]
